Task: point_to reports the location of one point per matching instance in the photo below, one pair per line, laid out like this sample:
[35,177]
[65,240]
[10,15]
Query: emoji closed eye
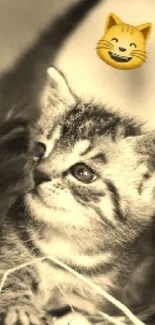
[133,45]
[115,39]
[83,173]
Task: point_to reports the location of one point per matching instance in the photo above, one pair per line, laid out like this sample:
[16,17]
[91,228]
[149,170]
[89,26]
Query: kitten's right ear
[112,20]
[56,98]
[59,83]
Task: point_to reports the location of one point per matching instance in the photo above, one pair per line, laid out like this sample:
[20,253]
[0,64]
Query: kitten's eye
[83,173]
[115,39]
[133,45]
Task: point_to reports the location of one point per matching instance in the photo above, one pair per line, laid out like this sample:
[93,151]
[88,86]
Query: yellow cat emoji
[123,46]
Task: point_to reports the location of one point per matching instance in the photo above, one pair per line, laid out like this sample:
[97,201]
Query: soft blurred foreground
[131,91]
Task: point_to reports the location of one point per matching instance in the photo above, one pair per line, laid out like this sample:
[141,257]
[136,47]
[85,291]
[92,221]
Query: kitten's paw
[21,315]
[14,136]
[72,319]
[16,159]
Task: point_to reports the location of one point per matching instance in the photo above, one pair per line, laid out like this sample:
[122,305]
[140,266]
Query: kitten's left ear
[145,29]
[59,83]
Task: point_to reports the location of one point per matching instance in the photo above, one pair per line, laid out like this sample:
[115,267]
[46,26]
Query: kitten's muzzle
[40,177]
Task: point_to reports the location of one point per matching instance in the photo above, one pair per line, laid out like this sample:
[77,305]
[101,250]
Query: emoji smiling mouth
[119,58]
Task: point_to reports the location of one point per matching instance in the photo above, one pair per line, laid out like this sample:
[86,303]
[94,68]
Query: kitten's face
[87,177]
[100,186]
[123,46]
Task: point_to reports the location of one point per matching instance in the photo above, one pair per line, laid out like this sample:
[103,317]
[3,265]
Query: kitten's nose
[39,150]
[40,177]
[122,49]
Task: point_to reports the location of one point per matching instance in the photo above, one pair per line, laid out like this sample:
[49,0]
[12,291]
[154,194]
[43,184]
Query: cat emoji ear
[58,82]
[145,29]
[112,20]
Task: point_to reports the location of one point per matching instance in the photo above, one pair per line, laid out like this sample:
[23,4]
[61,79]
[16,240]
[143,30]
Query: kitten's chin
[36,206]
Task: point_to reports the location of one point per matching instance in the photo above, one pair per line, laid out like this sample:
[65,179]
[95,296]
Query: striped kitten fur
[89,201]
[76,182]
[21,87]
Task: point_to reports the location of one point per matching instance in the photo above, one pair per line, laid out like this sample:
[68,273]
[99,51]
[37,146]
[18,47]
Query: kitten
[81,190]
[123,46]
[91,206]
[21,87]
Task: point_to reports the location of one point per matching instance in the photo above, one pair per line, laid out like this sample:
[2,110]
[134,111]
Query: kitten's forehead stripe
[87,122]
[99,157]
[50,132]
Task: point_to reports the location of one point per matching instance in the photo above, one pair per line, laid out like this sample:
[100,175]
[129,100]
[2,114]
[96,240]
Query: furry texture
[91,205]
[80,186]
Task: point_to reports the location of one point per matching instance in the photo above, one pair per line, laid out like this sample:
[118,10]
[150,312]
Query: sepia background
[131,91]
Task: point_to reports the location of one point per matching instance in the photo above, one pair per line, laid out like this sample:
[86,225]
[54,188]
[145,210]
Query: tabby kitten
[21,87]
[89,203]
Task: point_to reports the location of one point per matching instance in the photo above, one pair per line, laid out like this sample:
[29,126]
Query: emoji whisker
[103,47]
[139,57]
[140,54]
[104,41]
[104,44]
[139,51]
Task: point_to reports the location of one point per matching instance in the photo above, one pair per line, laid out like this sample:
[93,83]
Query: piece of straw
[112,319]
[92,285]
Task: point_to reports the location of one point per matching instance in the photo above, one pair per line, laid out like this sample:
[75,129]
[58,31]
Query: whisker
[138,53]
[139,57]
[105,42]
[143,56]
[103,47]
